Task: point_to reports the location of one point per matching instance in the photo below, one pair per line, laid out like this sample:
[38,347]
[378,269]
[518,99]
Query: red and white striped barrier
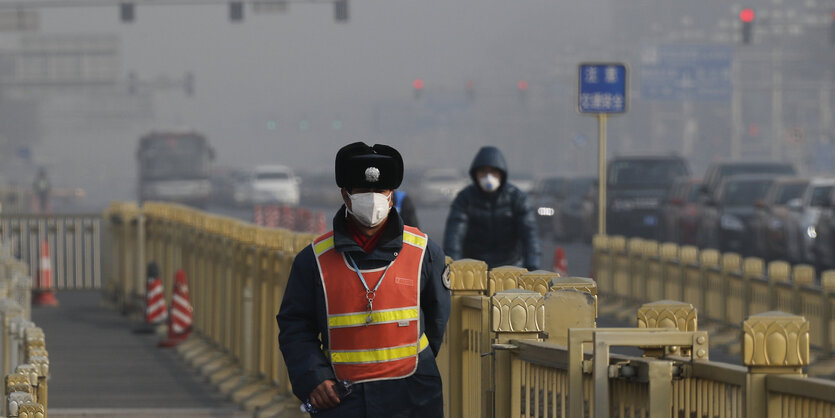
[155,312]
[44,292]
[180,317]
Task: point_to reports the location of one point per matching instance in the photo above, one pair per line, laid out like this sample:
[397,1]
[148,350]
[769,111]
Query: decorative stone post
[773,343]
[16,383]
[667,314]
[517,314]
[778,272]
[467,277]
[537,281]
[504,278]
[571,303]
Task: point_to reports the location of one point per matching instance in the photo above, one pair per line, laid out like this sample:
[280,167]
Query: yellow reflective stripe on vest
[378,317]
[376,356]
[323,246]
[413,239]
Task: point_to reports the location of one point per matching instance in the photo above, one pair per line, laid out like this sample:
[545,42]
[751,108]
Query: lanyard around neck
[362,279]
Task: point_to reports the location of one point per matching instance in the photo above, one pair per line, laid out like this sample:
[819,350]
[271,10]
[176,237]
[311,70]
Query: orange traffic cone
[560,265]
[179,319]
[44,292]
[155,312]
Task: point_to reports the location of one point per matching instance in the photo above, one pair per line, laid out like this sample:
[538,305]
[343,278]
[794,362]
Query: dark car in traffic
[636,187]
[725,221]
[772,217]
[564,207]
[680,211]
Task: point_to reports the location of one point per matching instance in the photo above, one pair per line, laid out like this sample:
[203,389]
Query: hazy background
[292,87]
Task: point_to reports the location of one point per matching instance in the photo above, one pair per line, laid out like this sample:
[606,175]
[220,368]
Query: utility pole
[776,104]
[736,109]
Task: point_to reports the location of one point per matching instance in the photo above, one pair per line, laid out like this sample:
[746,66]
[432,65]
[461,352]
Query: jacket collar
[390,243]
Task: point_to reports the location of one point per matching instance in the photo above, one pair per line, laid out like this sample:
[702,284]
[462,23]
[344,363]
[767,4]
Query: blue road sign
[686,72]
[602,88]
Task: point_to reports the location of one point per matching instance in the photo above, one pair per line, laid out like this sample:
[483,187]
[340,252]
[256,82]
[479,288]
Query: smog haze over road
[292,87]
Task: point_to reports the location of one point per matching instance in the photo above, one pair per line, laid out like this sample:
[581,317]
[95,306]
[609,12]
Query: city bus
[175,167]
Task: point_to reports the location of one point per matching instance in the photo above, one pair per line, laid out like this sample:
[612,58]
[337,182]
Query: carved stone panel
[668,314]
[518,310]
[776,339]
[537,281]
[504,278]
[468,274]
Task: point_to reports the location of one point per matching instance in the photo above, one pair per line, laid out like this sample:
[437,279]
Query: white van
[274,184]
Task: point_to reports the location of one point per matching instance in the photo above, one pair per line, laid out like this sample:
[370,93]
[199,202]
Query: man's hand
[324,397]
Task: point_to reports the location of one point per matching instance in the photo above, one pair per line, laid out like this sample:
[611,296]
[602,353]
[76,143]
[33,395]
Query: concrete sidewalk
[99,367]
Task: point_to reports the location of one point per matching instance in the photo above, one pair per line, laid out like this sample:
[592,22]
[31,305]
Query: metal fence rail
[517,342]
[74,243]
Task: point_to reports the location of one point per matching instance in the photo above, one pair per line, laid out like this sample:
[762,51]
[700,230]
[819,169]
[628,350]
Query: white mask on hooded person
[489,183]
[369,209]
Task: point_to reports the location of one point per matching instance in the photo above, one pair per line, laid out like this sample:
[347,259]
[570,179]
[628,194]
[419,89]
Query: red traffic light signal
[417,84]
[746,15]
[522,85]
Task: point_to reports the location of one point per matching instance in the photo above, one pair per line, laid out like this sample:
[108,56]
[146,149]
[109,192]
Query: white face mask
[369,209]
[489,183]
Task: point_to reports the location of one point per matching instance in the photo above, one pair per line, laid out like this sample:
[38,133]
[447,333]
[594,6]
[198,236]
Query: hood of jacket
[492,157]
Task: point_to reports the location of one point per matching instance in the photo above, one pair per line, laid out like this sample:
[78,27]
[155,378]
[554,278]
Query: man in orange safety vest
[366,304]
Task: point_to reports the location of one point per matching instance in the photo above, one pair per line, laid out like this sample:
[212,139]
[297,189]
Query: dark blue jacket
[498,228]
[303,331]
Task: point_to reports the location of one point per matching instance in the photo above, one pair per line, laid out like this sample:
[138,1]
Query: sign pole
[601,169]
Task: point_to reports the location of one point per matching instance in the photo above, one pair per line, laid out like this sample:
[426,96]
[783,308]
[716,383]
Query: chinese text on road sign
[602,88]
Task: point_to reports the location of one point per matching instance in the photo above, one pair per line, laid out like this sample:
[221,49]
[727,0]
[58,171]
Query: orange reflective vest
[383,343]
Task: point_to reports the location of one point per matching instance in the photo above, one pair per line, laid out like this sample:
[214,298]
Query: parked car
[274,184]
[803,219]
[680,211]
[564,207]
[635,188]
[771,217]
[438,186]
[725,221]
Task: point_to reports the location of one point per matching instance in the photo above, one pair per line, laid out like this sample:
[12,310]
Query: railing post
[778,271]
[504,278]
[752,267]
[802,275]
[601,262]
[827,301]
[731,263]
[517,314]
[708,260]
[467,277]
[667,314]
[670,269]
[571,303]
[773,343]
[537,281]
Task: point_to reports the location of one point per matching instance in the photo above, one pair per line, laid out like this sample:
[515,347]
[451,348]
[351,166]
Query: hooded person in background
[491,219]
[366,304]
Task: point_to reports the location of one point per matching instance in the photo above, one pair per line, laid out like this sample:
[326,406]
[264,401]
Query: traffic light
[126,14]
[418,87]
[340,10]
[470,88]
[746,16]
[236,11]
[522,86]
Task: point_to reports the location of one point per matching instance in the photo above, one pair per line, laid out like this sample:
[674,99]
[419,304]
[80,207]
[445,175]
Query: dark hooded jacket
[498,227]
[303,329]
